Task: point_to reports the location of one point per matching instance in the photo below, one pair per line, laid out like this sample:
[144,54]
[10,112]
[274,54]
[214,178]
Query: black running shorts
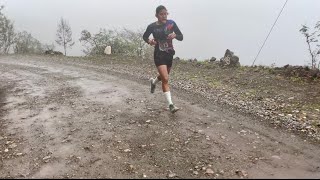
[163,58]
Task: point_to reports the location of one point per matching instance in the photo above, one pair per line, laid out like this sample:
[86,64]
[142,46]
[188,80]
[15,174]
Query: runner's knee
[165,79]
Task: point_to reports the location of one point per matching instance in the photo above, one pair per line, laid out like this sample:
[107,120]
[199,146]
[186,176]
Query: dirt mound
[51,52]
[299,71]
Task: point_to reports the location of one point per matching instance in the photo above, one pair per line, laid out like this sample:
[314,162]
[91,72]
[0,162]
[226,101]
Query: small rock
[195,172]
[209,171]
[1,137]
[6,150]
[242,173]
[19,154]
[47,157]
[276,157]
[148,121]
[243,131]
[127,150]
[12,146]
[290,98]
[143,146]
[223,137]
[171,175]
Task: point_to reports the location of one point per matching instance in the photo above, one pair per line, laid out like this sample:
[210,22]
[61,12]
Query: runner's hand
[172,36]
[152,42]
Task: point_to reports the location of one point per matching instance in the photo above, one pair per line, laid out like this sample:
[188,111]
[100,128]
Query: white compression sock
[168,97]
[155,80]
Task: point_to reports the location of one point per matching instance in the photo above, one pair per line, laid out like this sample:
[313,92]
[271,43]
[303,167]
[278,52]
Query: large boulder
[193,60]
[230,59]
[213,59]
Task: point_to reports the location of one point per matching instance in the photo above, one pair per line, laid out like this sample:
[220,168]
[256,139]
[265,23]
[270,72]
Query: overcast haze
[209,26]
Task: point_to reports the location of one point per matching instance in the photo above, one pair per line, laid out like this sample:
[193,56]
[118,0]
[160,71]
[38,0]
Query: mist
[209,26]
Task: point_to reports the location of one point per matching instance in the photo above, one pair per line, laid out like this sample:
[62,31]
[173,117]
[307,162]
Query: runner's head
[161,14]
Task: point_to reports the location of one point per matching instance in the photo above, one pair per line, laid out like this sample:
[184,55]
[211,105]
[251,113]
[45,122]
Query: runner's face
[162,16]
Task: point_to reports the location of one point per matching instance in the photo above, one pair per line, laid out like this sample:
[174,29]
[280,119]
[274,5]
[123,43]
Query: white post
[107,50]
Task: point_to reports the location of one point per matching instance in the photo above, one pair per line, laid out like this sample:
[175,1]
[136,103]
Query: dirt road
[77,121]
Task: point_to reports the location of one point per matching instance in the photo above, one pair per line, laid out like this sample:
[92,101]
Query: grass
[215,83]
[297,79]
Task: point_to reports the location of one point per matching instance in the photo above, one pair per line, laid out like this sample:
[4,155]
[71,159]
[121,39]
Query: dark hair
[159,8]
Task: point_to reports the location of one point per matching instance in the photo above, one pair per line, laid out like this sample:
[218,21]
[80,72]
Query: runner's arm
[176,30]
[147,34]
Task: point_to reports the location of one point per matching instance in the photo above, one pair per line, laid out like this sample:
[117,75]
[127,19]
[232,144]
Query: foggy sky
[209,26]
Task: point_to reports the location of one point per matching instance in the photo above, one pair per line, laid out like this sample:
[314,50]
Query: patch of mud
[104,92]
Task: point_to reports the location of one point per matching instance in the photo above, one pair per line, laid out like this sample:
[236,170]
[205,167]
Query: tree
[48,47]
[135,39]
[6,33]
[318,27]
[124,42]
[64,35]
[24,43]
[95,44]
[311,39]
